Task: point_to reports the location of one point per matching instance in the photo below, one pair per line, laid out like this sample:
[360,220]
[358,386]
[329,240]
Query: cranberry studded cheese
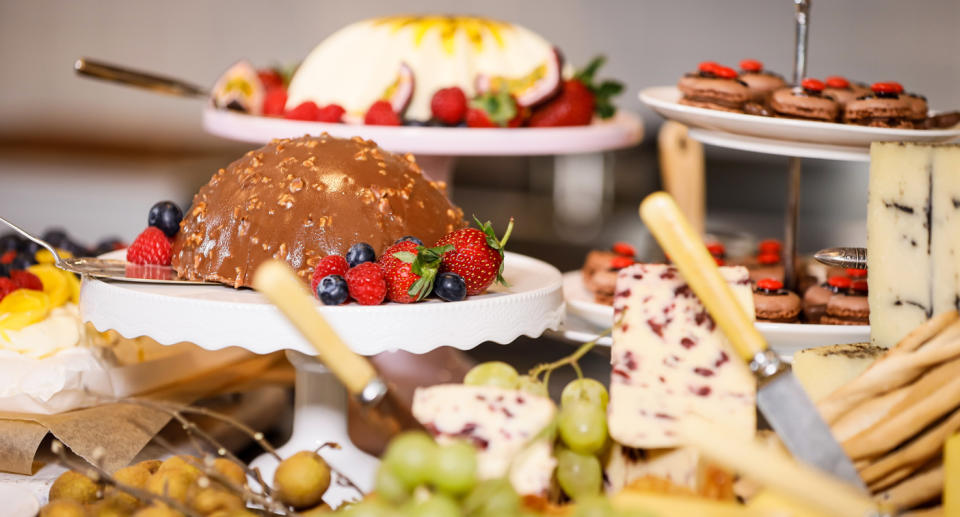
[669,359]
[499,422]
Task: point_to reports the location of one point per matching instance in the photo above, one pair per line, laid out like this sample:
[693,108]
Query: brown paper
[120,430]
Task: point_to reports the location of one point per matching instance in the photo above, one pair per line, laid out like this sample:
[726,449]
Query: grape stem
[572,359]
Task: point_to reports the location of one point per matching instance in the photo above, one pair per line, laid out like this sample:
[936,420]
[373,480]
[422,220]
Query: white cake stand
[216,317]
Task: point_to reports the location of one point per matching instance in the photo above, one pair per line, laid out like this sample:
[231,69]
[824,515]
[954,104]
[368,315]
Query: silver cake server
[130,77]
[853,258]
[110,269]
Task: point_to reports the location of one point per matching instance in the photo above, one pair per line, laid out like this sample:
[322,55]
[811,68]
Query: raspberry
[274,102]
[329,265]
[7,286]
[751,65]
[304,111]
[624,249]
[26,280]
[367,284]
[150,247]
[331,113]
[811,84]
[478,118]
[449,105]
[381,114]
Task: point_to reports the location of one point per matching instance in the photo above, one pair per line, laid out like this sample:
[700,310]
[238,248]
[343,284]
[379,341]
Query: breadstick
[867,413]
[918,489]
[936,511]
[920,335]
[931,397]
[896,369]
[920,450]
[891,479]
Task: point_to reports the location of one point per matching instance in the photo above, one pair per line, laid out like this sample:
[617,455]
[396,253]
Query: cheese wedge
[669,359]
[823,369]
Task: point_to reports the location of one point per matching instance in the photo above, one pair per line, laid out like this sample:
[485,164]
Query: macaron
[849,307]
[886,106]
[805,102]
[714,86]
[918,108]
[816,298]
[774,303]
[600,273]
[840,89]
[761,82]
[768,265]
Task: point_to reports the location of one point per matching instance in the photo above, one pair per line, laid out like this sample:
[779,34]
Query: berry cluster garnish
[477,255]
[154,245]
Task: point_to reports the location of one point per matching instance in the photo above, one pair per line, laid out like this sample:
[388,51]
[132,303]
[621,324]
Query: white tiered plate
[215,317]
[586,318]
[623,130]
[663,100]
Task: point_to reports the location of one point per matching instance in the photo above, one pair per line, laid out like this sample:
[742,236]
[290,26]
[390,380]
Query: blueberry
[332,290]
[56,237]
[29,248]
[167,216]
[450,287]
[4,270]
[416,123]
[410,238]
[359,253]
[9,241]
[22,261]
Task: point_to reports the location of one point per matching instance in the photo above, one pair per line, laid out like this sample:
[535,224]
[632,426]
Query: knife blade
[780,397]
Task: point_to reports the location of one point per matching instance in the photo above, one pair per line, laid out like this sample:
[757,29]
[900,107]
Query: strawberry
[410,270]
[331,113]
[307,110]
[477,255]
[449,105]
[274,102]
[150,247]
[7,286]
[366,283]
[8,256]
[26,280]
[329,265]
[381,114]
[578,100]
[621,262]
[495,109]
[271,78]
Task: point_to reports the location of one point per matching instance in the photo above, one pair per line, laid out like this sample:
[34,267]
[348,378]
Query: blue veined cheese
[669,359]
[502,424]
[913,236]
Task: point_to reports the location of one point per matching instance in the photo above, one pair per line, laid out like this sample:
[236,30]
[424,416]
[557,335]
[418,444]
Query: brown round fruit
[230,470]
[185,463]
[63,508]
[321,510]
[173,483]
[151,465]
[75,487]
[113,507]
[158,510]
[212,498]
[302,479]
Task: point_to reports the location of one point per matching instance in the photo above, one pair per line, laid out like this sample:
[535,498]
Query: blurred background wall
[93,157]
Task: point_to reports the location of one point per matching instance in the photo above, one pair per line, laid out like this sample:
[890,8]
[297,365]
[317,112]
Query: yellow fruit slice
[45,257]
[54,283]
[23,307]
[74,282]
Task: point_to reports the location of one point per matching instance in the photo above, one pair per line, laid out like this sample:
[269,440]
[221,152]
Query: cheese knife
[780,396]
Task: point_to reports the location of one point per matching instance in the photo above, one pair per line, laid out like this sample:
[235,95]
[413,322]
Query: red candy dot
[725,72]
[751,65]
[768,258]
[717,249]
[770,246]
[835,81]
[770,284]
[719,261]
[621,262]
[840,282]
[624,249]
[859,285]
[708,66]
[888,87]
[856,273]
[812,84]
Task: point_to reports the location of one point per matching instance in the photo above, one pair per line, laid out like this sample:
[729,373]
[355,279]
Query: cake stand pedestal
[216,317]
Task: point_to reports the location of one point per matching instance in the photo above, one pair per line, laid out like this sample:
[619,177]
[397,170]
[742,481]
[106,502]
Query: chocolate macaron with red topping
[886,106]
[714,86]
[773,303]
[816,298]
[849,307]
[762,82]
[841,90]
[805,102]
[918,109]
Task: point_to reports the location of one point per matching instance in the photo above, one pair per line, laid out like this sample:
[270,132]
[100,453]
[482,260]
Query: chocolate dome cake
[302,199]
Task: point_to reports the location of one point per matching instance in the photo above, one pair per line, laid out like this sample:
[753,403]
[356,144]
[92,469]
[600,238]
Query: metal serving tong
[111,269]
[130,77]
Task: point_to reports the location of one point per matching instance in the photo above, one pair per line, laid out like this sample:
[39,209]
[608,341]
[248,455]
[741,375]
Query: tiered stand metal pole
[793,182]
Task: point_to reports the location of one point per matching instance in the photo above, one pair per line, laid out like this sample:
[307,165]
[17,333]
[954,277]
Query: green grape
[579,475]
[587,389]
[492,373]
[455,468]
[582,426]
[532,386]
[593,506]
[410,457]
[492,498]
[436,505]
[390,487]
[367,508]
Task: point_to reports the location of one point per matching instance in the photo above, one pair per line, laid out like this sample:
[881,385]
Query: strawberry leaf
[425,264]
[604,92]
[406,257]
